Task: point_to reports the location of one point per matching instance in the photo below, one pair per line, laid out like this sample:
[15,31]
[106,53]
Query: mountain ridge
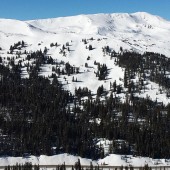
[102,19]
[146,30]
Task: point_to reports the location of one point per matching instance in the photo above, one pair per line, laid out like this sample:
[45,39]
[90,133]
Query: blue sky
[34,9]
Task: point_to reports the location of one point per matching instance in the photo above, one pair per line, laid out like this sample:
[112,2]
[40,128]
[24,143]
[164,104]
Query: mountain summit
[140,31]
[103,24]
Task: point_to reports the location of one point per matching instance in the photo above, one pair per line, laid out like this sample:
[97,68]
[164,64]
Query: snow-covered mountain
[139,32]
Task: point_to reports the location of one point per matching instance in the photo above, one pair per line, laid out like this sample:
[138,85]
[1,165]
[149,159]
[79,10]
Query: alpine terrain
[94,86]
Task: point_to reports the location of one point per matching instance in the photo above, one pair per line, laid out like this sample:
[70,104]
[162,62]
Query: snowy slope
[148,31]
[134,32]
[111,160]
[45,160]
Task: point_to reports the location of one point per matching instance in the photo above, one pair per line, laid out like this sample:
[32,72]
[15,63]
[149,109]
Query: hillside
[66,83]
[137,32]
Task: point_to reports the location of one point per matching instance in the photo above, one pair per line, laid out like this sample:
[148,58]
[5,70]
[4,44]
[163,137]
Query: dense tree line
[149,66]
[26,166]
[17,46]
[38,116]
[35,116]
[75,166]
[102,72]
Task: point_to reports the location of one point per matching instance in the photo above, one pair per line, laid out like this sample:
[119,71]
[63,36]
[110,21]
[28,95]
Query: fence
[101,167]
